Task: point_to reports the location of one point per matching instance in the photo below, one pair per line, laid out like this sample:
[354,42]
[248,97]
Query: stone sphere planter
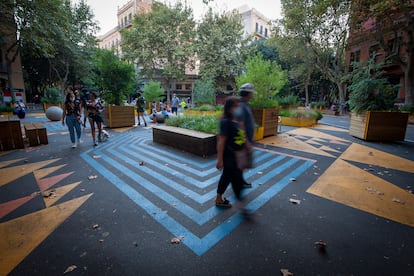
[54,113]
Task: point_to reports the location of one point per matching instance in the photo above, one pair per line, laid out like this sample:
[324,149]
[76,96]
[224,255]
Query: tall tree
[160,42]
[57,32]
[393,28]
[221,47]
[116,77]
[322,26]
[267,77]
[294,52]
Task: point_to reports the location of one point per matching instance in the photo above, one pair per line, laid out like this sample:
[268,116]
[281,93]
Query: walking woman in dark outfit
[71,112]
[95,108]
[231,138]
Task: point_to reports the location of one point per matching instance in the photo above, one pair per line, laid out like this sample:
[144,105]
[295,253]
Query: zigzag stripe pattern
[178,190]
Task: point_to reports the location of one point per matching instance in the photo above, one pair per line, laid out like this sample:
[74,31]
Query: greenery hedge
[301,113]
[203,123]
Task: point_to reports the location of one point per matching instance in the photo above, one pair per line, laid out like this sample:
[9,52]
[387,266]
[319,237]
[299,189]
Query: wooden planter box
[10,134]
[258,133]
[379,125]
[119,116]
[198,143]
[297,122]
[267,118]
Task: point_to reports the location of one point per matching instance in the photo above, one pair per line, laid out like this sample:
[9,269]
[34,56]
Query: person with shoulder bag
[231,142]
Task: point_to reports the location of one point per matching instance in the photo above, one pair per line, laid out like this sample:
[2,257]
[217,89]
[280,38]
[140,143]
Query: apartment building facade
[11,72]
[383,41]
[255,23]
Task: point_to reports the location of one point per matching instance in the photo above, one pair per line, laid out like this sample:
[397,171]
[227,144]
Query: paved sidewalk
[114,209]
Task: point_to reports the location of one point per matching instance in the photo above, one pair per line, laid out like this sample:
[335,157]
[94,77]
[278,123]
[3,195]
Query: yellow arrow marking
[59,193]
[8,175]
[44,172]
[325,127]
[367,155]
[8,162]
[315,134]
[349,185]
[289,142]
[20,236]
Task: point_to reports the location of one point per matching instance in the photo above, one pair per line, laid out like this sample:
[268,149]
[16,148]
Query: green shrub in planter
[52,95]
[288,101]
[369,89]
[407,108]
[302,113]
[207,123]
[6,109]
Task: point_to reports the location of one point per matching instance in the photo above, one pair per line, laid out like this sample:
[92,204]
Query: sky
[105,11]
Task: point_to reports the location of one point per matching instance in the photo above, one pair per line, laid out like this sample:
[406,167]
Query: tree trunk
[409,80]
[341,92]
[308,75]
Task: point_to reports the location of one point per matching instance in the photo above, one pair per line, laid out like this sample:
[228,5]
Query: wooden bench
[10,134]
[36,134]
[196,142]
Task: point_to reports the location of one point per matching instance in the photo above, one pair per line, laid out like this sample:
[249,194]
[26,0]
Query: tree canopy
[115,77]
[266,76]
[55,38]
[322,28]
[160,42]
[221,47]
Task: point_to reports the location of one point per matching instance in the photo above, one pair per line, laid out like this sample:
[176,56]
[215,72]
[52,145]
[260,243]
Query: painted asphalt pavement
[113,209]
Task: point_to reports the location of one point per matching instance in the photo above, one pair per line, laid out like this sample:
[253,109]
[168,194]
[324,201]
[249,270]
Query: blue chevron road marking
[180,188]
[144,149]
[197,217]
[198,245]
[190,180]
[55,126]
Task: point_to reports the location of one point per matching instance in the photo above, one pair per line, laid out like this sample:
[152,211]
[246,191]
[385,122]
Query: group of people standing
[73,109]
[162,107]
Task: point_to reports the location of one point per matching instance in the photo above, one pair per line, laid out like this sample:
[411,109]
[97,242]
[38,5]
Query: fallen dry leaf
[177,240]
[398,201]
[285,272]
[294,201]
[374,191]
[320,244]
[49,194]
[70,269]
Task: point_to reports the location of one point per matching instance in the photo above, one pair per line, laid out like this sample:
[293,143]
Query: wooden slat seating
[36,134]
[10,134]
[199,143]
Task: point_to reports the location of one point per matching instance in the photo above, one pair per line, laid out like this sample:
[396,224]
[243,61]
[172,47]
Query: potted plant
[268,79]
[6,110]
[300,117]
[371,102]
[52,97]
[117,80]
[191,133]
